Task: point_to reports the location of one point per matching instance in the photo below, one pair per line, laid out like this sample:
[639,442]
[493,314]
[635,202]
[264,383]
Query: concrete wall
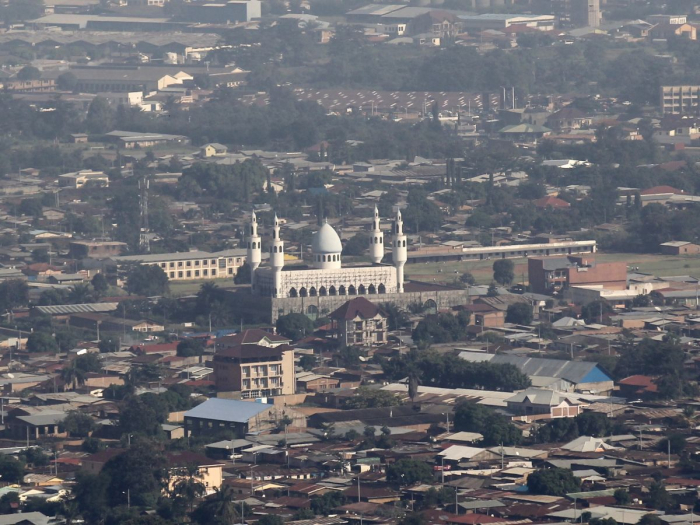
[327,304]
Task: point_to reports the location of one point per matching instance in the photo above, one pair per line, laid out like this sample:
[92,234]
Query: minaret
[400,252]
[254,247]
[277,258]
[376,240]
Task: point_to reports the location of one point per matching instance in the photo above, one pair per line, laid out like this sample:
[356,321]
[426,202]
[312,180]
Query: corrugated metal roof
[230,410]
[62,309]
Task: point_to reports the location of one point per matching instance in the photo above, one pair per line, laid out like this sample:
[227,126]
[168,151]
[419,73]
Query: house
[217,415]
[664,31]
[551,202]
[253,336]
[360,322]
[679,248]
[133,139]
[95,249]
[547,403]
[568,118]
[634,387]
[254,370]
[210,472]
[524,132]
[184,266]
[81,178]
[213,150]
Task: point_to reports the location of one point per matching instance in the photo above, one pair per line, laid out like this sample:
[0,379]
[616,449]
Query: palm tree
[219,508]
[188,486]
[73,376]
[80,294]
[69,510]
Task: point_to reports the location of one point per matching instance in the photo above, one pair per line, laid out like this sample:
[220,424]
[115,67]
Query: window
[196,263]
[196,273]
[179,274]
[189,264]
[213,272]
[205,263]
[172,265]
[205,272]
[189,273]
[172,275]
[162,265]
[179,264]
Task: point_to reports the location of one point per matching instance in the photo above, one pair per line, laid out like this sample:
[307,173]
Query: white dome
[326,240]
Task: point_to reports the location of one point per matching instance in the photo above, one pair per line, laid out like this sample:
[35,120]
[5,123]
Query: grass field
[445,273]
[660,265]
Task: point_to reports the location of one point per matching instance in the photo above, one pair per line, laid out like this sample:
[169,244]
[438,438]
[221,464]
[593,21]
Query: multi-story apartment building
[255,370]
[680,99]
[188,266]
[360,322]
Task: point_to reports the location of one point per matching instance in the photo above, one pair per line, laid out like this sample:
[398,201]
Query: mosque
[319,289]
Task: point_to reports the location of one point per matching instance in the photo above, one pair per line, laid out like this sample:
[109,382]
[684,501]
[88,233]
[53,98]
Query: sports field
[660,265]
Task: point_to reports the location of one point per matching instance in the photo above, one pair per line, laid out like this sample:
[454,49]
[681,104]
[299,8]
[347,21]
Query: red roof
[359,306]
[154,349]
[646,383]
[661,190]
[551,202]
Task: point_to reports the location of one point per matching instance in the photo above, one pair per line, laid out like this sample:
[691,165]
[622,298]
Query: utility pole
[143,187]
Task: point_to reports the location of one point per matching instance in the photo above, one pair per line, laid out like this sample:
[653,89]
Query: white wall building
[327,276]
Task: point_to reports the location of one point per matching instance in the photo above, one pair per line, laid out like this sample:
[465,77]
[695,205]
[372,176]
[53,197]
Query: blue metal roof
[229,410]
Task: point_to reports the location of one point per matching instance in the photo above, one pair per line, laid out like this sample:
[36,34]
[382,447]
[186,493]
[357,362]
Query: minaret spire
[376,240]
[399,250]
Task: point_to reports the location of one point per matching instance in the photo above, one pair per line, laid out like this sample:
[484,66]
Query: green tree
[503,271]
[553,482]
[67,81]
[270,519]
[658,497]
[140,471]
[78,424]
[100,116]
[90,493]
[217,509]
[295,326]
[677,442]
[366,397]
[189,486]
[148,280]
[42,342]
[519,313]
[409,471]
[308,362]
[467,278]
[11,469]
[622,497]
[190,347]
[495,428]
[100,284]
[138,416]
[356,245]
[650,519]
[28,73]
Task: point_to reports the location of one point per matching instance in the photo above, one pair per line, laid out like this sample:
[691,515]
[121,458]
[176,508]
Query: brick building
[548,275]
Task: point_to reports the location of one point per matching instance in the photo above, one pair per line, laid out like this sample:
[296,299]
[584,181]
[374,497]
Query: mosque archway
[322,291]
[342,291]
[302,292]
[361,290]
[312,312]
[352,290]
[430,307]
[312,292]
[382,288]
[332,291]
[293,292]
[371,289]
